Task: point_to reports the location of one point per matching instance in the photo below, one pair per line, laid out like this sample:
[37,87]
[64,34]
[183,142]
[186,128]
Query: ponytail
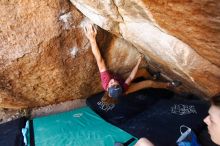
[108,100]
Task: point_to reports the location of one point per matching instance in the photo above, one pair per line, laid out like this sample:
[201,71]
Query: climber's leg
[146,84]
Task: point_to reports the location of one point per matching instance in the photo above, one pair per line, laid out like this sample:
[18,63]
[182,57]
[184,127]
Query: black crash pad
[152,113]
[10,133]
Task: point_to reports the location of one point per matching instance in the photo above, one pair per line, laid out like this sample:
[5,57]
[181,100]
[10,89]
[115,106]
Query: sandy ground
[57,108]
[9,114]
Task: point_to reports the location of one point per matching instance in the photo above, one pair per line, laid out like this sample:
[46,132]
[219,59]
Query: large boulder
[45,57]
[181,38]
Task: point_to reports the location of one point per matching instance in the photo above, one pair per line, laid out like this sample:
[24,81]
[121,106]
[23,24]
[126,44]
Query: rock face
[179,37]
[45,57]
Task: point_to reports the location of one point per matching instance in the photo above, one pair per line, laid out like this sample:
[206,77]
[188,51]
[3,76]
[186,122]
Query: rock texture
[181,38]
[45,57]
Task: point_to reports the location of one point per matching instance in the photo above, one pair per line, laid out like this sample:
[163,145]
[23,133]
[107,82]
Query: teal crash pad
[80,127]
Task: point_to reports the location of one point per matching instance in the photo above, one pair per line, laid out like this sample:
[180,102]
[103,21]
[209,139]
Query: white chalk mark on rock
[66,19]
[74,51]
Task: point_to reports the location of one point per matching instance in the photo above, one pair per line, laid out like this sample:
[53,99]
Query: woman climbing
[113,84]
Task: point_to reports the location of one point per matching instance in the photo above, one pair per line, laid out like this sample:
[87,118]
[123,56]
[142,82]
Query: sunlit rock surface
[181,38]
[45,57]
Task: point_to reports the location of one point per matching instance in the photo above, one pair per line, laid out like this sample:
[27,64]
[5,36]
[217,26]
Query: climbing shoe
[174,84]
[156,75]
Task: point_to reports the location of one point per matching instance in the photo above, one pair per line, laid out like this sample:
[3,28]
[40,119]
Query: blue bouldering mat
[80,127]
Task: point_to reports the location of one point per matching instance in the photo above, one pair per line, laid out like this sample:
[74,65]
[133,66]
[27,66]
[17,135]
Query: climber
[113,84]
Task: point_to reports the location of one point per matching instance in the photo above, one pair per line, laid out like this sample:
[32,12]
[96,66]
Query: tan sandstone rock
[180,37]
[45,57]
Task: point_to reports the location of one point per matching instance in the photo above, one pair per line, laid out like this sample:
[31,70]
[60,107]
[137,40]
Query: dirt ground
[9,114]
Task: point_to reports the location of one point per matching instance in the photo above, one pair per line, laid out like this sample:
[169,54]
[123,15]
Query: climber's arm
[100,61]
[91,35]
[133,73]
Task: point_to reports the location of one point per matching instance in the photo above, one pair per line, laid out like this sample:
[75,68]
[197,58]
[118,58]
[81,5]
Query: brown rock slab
[181,37]
[45,57]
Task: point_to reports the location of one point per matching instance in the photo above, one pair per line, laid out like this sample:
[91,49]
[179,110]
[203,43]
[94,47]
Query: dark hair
[215,100]
[108,100]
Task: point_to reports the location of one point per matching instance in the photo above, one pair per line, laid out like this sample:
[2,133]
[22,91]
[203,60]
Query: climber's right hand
[90,32]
